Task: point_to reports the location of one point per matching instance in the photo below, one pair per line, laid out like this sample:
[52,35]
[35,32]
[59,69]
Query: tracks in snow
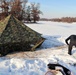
[44,53]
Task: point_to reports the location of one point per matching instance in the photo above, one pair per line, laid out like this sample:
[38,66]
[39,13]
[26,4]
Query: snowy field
[52,50]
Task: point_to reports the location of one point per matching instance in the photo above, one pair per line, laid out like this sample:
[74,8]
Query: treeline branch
[20,10]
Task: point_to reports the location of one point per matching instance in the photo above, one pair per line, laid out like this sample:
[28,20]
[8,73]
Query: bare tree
[19,10]
[28,14]
[14,7]
[5,7]
[35,11]
[24,9]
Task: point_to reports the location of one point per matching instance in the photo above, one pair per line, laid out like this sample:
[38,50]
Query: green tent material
[15,36]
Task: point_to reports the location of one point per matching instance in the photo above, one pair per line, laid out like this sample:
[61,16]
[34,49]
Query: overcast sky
[57,8]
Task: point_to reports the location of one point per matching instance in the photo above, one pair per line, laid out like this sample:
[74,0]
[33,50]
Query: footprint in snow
[13,66]
[7,63]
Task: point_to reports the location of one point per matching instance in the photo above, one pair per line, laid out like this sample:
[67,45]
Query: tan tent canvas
[15,36]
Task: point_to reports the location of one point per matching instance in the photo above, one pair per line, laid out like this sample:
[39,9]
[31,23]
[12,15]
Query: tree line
[64,19]
[20,9]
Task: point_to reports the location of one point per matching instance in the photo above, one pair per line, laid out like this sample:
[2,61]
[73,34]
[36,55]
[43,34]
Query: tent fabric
[14,35]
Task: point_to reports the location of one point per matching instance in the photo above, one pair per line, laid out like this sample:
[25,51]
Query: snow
[53,50]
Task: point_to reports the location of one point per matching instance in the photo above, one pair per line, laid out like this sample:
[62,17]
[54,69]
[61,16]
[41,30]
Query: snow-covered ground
[52,50]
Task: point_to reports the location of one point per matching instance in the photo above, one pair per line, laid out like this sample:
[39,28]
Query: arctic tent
[16,36]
